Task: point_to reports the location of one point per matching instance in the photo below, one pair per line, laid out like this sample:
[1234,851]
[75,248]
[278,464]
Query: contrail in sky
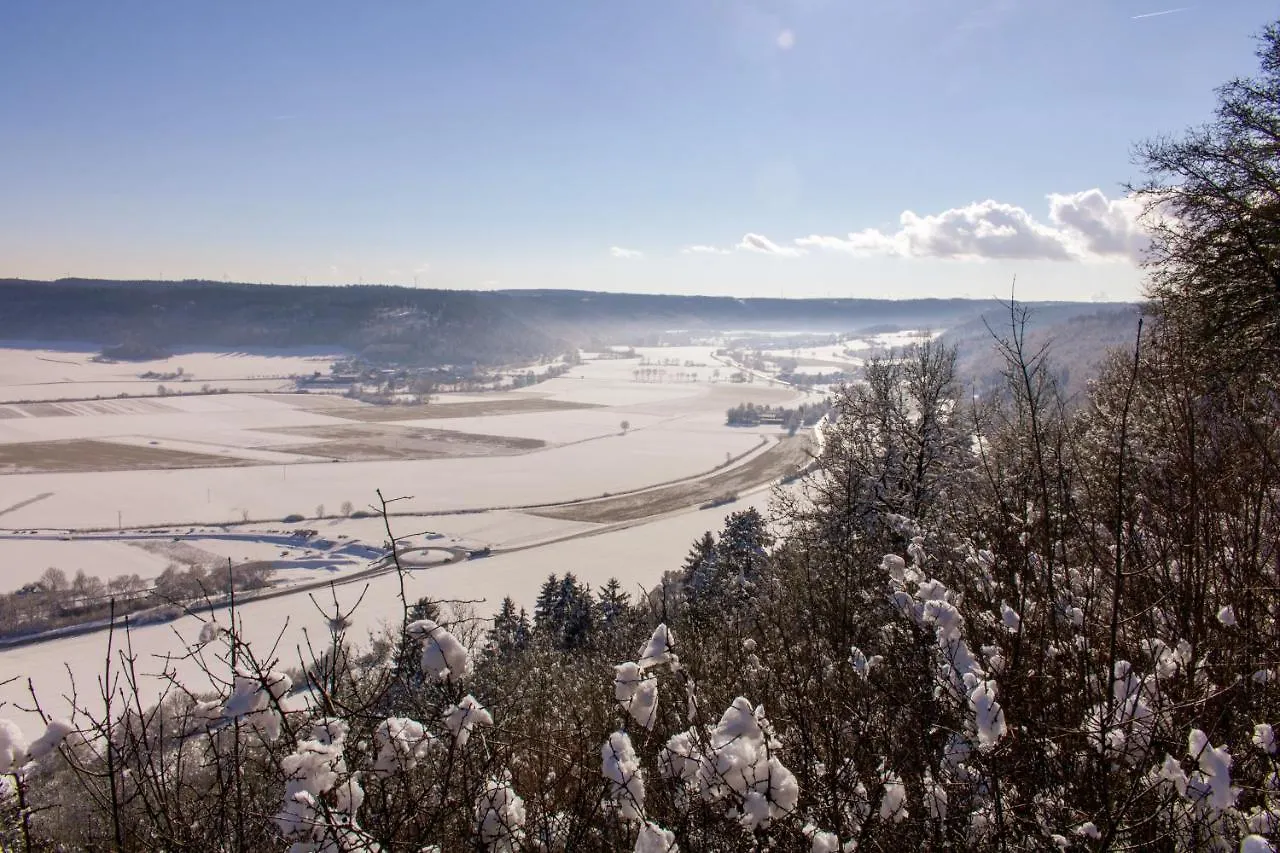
[1158,14]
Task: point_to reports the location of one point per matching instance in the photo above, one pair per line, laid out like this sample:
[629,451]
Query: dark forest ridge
[427,326]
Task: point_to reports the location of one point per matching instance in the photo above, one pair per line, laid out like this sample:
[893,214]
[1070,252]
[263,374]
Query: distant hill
[1079,336]
[410,325]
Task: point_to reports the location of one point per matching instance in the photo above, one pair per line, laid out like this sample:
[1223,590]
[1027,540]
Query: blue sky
[779,147]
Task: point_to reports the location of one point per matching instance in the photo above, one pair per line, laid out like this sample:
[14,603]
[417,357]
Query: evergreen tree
[741,551]
[614,604]
[565,612]
[700,568]
[720,573]
[546,620]
[504,637]
[524,629]
[579,610]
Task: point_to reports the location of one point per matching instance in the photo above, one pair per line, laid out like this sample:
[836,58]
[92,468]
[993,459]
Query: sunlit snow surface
[675,430]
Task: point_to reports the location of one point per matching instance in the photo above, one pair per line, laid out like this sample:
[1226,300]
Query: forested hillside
[1079,337]
[408,325]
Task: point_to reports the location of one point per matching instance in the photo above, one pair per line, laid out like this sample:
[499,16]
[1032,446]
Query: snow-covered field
[830,352]
[637,556]
[34,372]
[675,430]
[210,495]
[553,427]
[24,561]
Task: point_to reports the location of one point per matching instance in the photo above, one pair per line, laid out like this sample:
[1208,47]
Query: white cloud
[786,40]
[1082,226]
[765,246]
[626,254]
[703,250]
[422,268]
[1105,228]
[861,244]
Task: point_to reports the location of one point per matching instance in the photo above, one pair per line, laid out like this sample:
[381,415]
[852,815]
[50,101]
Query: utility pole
[119,520]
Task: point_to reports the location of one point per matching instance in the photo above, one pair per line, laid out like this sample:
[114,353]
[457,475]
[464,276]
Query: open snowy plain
[116,486]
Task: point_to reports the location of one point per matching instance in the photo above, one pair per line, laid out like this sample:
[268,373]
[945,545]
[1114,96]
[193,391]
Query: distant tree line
[792,420]
[808,380]
[530,377]
[55,601]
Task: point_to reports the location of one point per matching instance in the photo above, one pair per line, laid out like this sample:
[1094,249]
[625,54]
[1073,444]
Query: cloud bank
[1083,226]
[764,246]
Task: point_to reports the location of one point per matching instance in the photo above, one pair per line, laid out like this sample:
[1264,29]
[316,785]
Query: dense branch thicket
[1214,196]
[999,623]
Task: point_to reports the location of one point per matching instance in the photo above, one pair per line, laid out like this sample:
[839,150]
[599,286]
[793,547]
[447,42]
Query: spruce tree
[614,603]
[699,568]
[503,638]
[545,618]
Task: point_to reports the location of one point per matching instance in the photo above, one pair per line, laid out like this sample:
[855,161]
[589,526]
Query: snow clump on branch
[737,766]
[443,656]
[621,766]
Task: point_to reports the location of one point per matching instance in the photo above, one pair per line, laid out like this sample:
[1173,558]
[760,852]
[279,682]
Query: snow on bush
[465,716]
[1122,728]
[321,798]
[821,841]
[988,715]
[401,744]
[1212,783]
[933,604]
[443,656]
[500,817]
[935,797]
[254,701]
[209,632]
[1012,621]
[1264,738]
[636,692]
[893,803]
[621,766]
[13,748]
[54,734]
[862,664]
[654,839]
[736,767]
[658,650]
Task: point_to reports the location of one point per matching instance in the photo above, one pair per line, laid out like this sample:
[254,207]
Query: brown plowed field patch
[786,457]
[77,455]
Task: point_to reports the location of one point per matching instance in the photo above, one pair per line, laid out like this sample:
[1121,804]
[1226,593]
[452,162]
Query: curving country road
[753,471]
